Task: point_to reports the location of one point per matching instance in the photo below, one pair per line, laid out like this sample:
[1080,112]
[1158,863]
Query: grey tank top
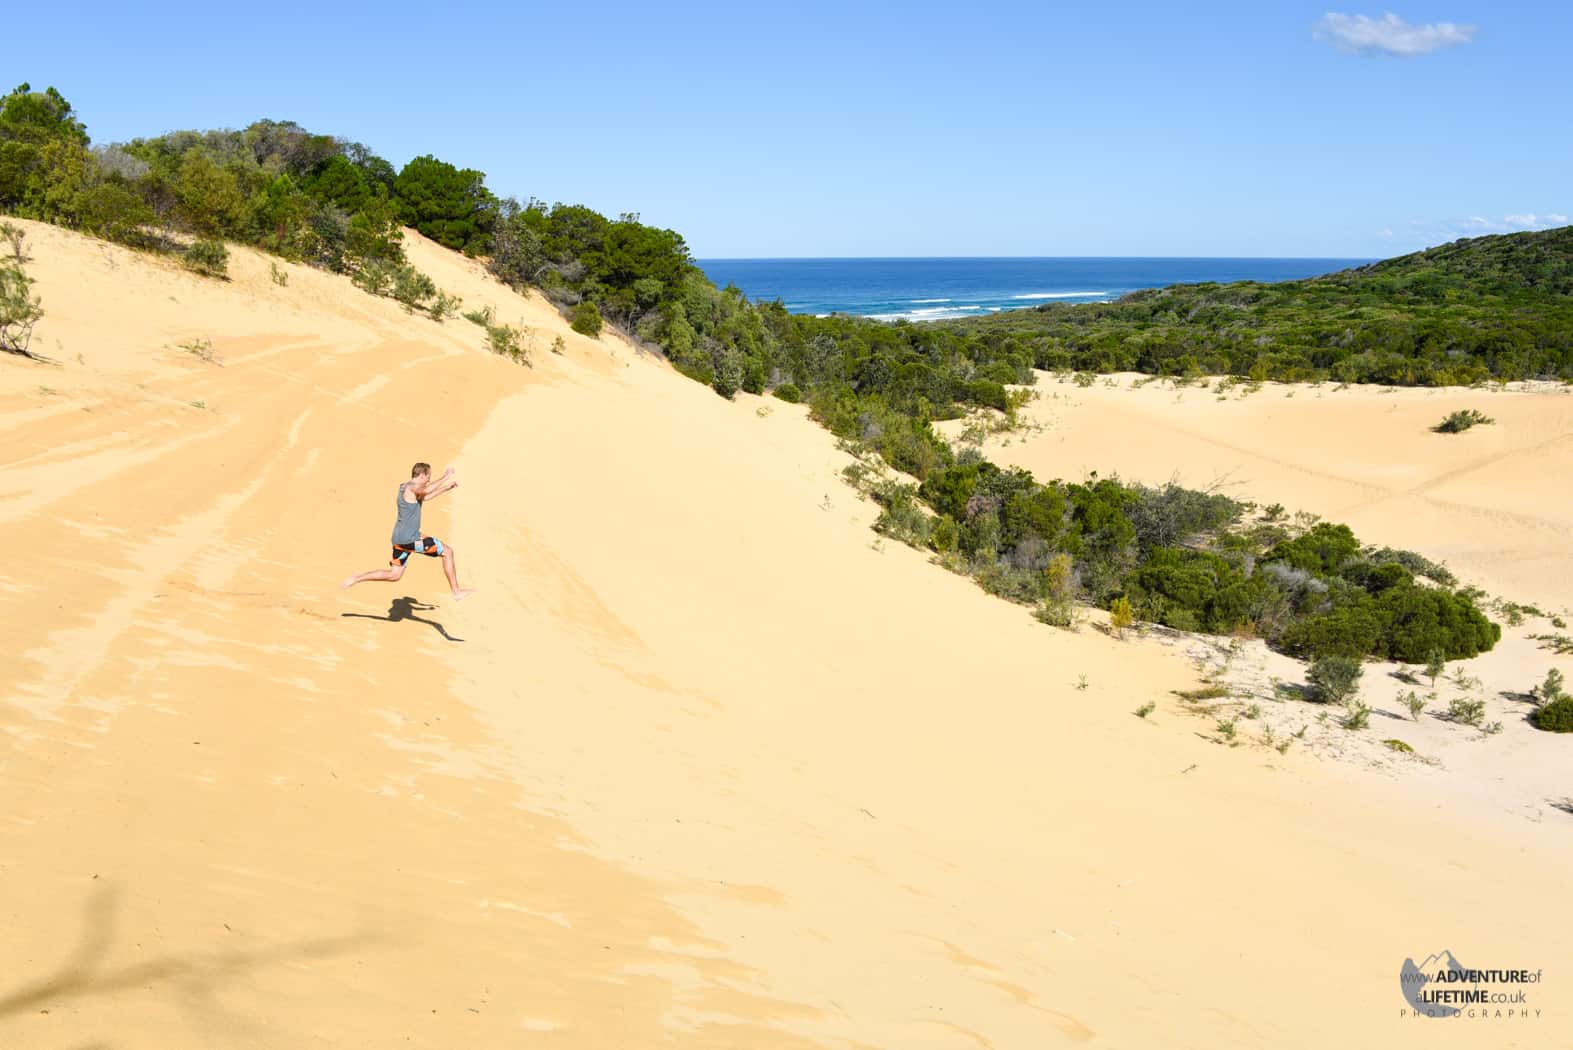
[408,528]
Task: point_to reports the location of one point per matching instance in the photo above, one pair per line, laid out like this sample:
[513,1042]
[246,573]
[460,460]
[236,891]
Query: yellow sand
[698,766]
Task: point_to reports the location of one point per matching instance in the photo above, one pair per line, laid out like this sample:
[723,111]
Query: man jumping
[407,538]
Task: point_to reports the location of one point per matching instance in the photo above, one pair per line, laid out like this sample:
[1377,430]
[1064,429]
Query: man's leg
[391,573]
[452,572]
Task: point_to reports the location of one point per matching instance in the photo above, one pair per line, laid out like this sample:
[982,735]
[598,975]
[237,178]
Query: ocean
[939,289]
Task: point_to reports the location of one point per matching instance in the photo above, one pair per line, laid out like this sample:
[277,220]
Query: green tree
[30,121]
[586,319]
[450,205]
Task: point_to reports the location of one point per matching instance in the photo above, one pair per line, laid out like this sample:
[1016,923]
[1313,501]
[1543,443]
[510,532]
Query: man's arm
[437,489]
[433,489]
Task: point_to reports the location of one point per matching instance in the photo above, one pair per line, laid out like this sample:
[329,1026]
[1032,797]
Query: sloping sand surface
[698,766]
[1491,502]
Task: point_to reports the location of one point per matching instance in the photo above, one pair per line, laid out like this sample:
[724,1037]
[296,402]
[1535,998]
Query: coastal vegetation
[1493,308]
[20,309]
[1462,420]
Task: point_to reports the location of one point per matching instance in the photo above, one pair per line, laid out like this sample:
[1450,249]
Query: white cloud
[1531,221]
[1389,35]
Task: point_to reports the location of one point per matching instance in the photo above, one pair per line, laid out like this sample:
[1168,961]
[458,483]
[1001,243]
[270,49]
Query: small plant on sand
[20,309]
[1463,680]
[1467,711]
[1121,615]
[1146,709]
[1560,644]
[1206,692]
[278,274]
[209,258]
[504,340]
[1333,679]
[1081,682]
[412,288]
[202,349]
[198,404]
[1253,712]
[1399,746]
[1491,728]
[1226,727]
[1357,714]
[1462,420]
[1436,663]
[443,306]
[1414,703]
[558,346]
[15,238]
[483,317]
[1551,690]
[1283,745]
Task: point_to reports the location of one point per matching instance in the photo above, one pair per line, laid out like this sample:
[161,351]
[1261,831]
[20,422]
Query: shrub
[902,517]
[1436,663]
[586,320]
[1555,717]
[412,288]
[1121,615]
[1358,715]
[483,317]
[1059,592]
[1324,548]
[209,258]
[1418,564]
[1467,711]
[504,339]
[1334,679]
[1551,690]
[788,393]
[945,534]
[728,378]
[1414,702]
[20,310]
[443,306]
[375,277]
[15,238]
[1462,420]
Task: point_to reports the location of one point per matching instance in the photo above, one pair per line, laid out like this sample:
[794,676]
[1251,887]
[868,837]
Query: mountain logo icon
[1413,978]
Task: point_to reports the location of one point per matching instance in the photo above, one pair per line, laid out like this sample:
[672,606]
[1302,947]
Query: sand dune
[699,766]
[1483,501]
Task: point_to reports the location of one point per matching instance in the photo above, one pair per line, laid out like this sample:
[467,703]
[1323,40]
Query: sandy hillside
[698,767]
[1489,502]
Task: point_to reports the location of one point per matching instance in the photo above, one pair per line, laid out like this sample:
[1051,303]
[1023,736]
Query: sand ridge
[698,766]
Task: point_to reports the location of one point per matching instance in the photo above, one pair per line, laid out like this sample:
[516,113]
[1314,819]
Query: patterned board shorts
[430,546]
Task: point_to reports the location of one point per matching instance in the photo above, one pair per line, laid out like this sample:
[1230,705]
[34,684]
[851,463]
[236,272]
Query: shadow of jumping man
[404,609]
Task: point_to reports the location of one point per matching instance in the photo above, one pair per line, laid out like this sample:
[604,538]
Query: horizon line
[932,258]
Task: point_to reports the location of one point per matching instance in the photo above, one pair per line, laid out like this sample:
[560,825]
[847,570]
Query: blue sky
[914,129]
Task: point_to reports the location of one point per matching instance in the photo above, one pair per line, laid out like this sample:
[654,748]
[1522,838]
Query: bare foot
[459,596]
[349,581]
